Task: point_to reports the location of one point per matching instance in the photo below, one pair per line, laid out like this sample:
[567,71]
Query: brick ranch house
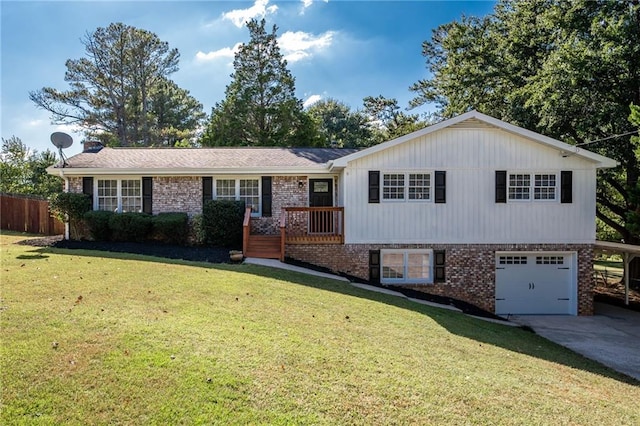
[471,208]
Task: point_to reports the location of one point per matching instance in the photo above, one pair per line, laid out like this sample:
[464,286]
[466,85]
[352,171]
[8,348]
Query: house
[471,208]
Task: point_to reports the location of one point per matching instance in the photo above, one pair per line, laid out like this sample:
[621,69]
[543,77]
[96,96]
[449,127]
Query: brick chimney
[92,146]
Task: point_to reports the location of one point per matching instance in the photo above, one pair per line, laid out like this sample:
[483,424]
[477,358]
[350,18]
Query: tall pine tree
[260,107]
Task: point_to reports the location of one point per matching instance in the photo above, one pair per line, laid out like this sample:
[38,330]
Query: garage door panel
[534,283]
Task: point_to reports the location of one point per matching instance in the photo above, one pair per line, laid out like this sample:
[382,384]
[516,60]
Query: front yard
[96,338]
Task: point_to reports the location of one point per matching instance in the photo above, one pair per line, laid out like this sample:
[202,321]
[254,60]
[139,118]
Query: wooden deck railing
[312,225]
[246,230]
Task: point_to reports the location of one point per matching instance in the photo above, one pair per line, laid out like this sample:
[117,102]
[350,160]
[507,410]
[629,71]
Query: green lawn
[147,341]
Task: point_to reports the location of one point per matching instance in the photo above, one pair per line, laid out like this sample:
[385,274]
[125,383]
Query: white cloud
[299,45]
[225,52]
[306,3]
[259,9]
[311,100]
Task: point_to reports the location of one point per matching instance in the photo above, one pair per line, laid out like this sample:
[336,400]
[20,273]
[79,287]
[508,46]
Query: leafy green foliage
[260,107]
[120,93]
[23,170]
[98,224]
[568,70]
[172,228]
[339,126]
[130,226]
[387,120]
[71,207]
[222,222]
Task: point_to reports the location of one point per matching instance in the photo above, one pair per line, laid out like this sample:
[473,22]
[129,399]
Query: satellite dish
[61,141]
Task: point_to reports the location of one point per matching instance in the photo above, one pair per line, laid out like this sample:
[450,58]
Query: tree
[339,126]
[260,107]
[388,120]
[23,171]
[568,70]
[112,88]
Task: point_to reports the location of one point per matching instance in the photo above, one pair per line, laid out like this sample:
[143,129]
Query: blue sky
[335,49]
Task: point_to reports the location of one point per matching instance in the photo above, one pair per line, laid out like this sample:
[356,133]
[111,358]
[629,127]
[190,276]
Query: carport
[628,252]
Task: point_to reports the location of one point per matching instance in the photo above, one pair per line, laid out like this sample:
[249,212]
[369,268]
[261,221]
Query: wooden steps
[263,246]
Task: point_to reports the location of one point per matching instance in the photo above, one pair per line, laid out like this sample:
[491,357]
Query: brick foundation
[469,269]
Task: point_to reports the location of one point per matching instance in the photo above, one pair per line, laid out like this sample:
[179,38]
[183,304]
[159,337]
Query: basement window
[408,266]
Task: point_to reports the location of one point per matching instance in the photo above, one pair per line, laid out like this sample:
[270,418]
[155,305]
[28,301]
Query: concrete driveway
[611,336]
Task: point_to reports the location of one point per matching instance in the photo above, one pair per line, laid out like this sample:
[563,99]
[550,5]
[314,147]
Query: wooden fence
[23,213]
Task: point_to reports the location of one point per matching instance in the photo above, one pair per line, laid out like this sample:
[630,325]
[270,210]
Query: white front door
[535,283]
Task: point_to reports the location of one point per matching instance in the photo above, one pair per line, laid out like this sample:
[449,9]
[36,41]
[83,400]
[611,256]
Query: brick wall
[177,194]
[286,192]
[469,269]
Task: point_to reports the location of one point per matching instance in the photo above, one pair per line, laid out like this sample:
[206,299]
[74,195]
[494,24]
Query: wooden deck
[298,225]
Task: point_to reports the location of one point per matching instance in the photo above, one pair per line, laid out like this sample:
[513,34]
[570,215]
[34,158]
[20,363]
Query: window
[406,266]
[550,260]
[392,186]
[512,260]
[131,196]
[119,195]
[406,186]
[519,186]
[225,189]
[544,187]
[247,190]
[419,186]
[541,185]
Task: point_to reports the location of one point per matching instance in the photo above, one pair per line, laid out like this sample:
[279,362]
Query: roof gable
[475,119]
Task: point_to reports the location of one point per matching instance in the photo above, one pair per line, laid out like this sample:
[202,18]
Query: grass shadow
[515,339]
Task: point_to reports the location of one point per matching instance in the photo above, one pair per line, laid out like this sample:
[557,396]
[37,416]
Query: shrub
[130,226]
[98,223]
[70,206]
[222,222]
[196,231]
[172,228]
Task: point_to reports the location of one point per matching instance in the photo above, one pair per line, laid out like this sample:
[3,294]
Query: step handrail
[246,229]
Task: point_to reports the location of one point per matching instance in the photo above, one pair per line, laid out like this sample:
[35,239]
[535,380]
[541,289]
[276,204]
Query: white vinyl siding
[247,190]
[470,157]
[406,266]
[118,195]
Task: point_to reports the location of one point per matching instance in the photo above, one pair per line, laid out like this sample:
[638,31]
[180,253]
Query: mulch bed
[195,254]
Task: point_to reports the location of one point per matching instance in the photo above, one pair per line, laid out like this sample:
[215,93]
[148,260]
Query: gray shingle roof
[205,158]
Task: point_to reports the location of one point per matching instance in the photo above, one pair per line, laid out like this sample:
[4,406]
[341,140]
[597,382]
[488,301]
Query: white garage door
[535,283]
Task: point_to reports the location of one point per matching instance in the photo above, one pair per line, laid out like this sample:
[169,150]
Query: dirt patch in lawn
[611,291]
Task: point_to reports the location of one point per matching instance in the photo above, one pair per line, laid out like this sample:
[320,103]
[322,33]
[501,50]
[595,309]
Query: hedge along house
[471,208]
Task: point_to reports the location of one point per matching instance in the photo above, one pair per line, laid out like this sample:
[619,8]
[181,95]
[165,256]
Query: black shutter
[266,196]
[501,186]
[87,188]
[207,190]
[439,264]
[441,187]
[147,195]
[374,186]
[374,266]
[566,186]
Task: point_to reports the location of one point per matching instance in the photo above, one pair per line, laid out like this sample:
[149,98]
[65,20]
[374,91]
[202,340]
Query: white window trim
[237,180]
[532,186]
[406,279]
[119,180]
[406,186]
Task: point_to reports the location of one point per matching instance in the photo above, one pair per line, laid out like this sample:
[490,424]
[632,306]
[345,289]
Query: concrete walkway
[611,336]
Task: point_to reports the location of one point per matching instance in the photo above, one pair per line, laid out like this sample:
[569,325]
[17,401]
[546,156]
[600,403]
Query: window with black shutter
[147,195]
[207,189]
[439,266]
[374,186]
[566,186]
[266,196]
[501,186]
[441,186]
[374,266]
